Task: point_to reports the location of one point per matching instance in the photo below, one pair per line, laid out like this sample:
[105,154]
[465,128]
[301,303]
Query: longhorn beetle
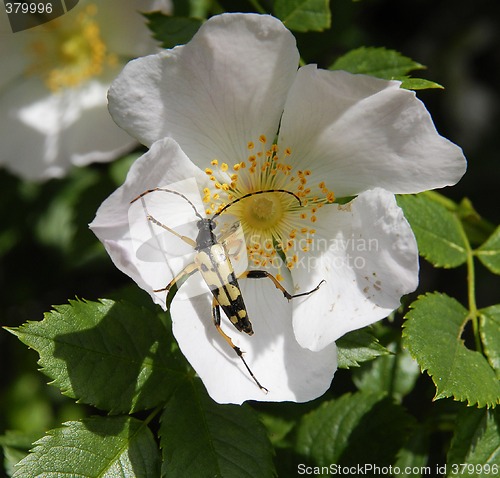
[213,262]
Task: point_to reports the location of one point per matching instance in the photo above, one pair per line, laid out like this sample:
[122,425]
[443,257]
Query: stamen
[70,51]
[276,224]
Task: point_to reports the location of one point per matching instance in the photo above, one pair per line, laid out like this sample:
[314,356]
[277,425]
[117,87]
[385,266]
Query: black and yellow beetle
[214,264]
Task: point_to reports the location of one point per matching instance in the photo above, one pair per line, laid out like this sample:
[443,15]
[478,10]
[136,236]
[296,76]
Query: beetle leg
[187,271]
[216,319]
[263,274]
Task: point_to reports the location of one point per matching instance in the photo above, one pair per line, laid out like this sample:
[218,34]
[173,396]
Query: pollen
[68,52]
[276,224]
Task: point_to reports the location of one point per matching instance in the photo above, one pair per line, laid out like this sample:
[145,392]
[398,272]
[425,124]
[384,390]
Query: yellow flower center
[276,224]
[261,212]
[70,51]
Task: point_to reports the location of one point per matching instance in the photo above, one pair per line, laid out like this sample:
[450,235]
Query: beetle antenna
[168,191]
[254,193]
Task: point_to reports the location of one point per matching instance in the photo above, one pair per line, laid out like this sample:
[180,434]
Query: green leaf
[489,252]
[432,334]
[357,347]
[478,229]
[393,374]
[379,62]
[278,428]
[113,355]
[200,438]
[304,15]
[438,231]
[418,84]
[413,456]
[360,428]
[172,31]
[95,447]
[16,446]
[383,63]
[490,335]
[476,442]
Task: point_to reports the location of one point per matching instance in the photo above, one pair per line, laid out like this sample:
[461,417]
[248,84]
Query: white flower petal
[355,133]
[140,249]
[123,17]
[58,128]
[43,132]
[289,372]
[367,254]
[361,132]
[224,88]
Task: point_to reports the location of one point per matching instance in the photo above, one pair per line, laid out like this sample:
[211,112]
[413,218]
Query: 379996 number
[28,7]
[474,469]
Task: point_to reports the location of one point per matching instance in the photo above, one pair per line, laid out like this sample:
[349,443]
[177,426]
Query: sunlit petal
[367,255]
[224,88]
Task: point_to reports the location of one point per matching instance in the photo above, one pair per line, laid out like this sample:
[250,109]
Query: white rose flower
[232,111]
[53,85]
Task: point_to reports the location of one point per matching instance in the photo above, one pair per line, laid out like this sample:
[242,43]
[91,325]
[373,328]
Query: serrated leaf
[112,355]
[172,31]
[16,446]
[393,374]
[357,347]
[228,441]
[360,428]
[476,441]
[489,252]
[304,15]
[438,231]
[490,335]
[432,334]
[385,64]
[94,448]
[379,62]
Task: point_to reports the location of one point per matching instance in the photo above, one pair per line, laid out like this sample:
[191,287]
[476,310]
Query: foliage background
[47,253]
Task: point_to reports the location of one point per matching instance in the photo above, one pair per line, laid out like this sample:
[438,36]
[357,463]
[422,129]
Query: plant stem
[153,414]
[258,7]
[471,290]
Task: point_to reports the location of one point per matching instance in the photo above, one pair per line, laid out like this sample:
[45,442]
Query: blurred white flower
[53,85]
[232,111]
